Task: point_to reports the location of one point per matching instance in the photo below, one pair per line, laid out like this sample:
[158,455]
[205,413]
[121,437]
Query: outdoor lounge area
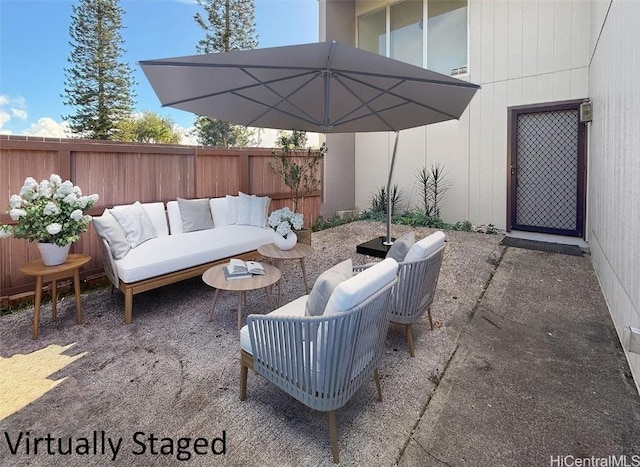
[522,365]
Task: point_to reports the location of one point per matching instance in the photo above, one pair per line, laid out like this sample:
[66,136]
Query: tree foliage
[214,132]
[299,169]
[148,127]
[98,83]
[229,25]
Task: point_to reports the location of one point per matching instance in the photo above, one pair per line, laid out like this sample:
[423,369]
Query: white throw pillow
[195,214]
[219,211]
[109,228]
[245,205]
[260,211]
[361,286]
[324,286]
[135,222]
[232,209]
[401,246]
[425,247]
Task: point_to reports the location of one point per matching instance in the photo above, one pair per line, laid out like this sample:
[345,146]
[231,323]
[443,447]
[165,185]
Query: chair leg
[412,351]
[333,433]
[430,320]
[376,377]
[246,362]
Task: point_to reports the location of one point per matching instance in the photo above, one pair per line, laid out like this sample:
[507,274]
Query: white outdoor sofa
[172,255]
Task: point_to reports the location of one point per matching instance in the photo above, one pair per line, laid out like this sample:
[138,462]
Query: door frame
[512,132]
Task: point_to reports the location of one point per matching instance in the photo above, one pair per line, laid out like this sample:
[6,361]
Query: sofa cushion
[135,222]
[232,209]
[195,214]
[158,216]
[219,211]
[401,246]
[172,253]
[324,286]
[361,286]
[109,228]
[252,209]
[425,247]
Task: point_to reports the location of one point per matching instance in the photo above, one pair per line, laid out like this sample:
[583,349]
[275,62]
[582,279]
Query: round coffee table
[300,251]
[214,277]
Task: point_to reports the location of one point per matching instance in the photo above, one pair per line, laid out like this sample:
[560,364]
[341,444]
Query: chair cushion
[425,247]
[361,286]
[110,229]
[325,285]
[401,246]
[195,214]
[294,308]
[135,222]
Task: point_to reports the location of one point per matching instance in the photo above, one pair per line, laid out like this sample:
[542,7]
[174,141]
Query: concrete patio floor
[524,369]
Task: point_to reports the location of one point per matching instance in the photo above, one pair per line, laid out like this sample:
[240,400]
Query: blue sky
[34,47]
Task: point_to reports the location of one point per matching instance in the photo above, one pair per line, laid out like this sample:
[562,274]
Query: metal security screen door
[547,170]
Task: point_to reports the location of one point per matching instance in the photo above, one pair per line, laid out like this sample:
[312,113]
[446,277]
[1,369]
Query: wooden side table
[71,268]
[214,277]
[300,251]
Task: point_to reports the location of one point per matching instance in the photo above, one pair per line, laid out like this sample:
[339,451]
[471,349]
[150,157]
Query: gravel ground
[174,374]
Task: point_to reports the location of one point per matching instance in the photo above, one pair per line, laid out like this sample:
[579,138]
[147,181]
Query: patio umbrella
[324,87]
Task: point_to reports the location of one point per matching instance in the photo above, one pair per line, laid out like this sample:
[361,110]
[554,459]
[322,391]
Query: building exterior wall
[520,52]
[613,206]
[337,23]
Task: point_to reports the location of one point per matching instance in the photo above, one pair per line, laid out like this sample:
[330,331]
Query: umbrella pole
[388,241]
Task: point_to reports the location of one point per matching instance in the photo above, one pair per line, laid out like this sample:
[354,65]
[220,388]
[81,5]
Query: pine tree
[229,25]
[98,83]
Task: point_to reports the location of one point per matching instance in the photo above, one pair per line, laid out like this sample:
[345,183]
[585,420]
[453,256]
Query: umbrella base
[375,247]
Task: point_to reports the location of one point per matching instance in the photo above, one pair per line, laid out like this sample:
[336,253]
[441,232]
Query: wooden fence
[122,173]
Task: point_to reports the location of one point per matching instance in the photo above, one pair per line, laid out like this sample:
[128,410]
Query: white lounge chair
[323,360]
[417,279]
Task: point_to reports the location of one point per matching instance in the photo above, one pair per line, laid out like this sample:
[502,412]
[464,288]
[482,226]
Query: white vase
[285,243]
[52,254]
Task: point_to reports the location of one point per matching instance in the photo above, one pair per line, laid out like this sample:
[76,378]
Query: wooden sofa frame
[133,288]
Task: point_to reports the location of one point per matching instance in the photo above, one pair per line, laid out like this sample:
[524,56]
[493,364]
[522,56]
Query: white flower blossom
[15,201]
[283,229]
[45,189]
[4,233]
[30,184]
[94,198]
[54,228]
[64,189]
[77,191]
[76,215]
[55,179]
[87,218]
[51,209]
[71,198]
[83,201]
[17,214]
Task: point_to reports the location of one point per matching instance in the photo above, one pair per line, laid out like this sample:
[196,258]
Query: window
[398,31]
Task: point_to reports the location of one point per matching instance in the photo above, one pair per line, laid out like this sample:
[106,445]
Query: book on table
[238,269]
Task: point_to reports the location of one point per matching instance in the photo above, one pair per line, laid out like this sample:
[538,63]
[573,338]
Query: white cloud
[19,113]
[48,127]
[187,135]
[4,100]
[4,118]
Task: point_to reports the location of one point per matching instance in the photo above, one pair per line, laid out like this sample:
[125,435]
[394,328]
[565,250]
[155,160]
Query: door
[547,169]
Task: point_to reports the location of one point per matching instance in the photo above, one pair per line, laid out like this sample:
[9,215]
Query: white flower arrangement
[51,211]
[283,221]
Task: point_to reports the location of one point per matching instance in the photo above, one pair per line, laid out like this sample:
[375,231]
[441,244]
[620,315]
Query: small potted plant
[51,213]
[284,222]
[299,174]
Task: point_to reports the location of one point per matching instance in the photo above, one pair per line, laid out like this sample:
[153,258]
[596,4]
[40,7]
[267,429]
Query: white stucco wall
[520,52]
[614,162]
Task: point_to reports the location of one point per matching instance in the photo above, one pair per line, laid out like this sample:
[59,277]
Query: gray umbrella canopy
[325,87]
